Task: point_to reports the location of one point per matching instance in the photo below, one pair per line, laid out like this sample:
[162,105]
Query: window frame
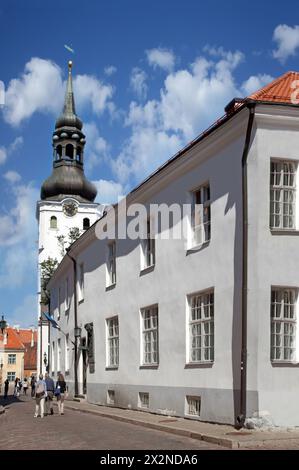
[148,246]
[9,357]
[53,226]
[275,320]
[197,325]
[13,376]
[112,343]
[111,264]
[201,205]
[150,331]
[283,189]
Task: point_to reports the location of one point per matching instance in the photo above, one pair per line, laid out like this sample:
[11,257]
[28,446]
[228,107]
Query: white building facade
[205,325]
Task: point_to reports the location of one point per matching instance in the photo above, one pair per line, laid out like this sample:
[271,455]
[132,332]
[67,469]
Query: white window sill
[194,365]
[110,286]
[111,368]
[284,231]
[149,366]
[147,269]
[285,363]
[197,248]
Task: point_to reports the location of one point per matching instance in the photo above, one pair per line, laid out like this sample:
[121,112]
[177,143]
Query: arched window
[58,152]
[78,157]
[53,222]
[86,223]
[69,151]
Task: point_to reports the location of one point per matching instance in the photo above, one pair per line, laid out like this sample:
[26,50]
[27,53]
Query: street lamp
[77,331]
[3,324]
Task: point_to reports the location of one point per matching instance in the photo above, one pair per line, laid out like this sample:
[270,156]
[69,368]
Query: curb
[2,410]
[222,441]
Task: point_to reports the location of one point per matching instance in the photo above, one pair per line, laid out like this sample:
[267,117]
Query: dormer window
[53,222]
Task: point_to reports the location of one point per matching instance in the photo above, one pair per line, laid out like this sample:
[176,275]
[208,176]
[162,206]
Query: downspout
[243,382]
[49,339]
[75,323]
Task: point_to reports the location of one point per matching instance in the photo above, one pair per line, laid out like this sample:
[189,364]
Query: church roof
[278,91]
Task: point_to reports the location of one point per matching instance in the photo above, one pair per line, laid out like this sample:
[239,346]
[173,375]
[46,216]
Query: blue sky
[148,77]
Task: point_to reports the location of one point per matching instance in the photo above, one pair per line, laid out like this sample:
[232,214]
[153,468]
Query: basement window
[143,400]
[193,405]
[111,397]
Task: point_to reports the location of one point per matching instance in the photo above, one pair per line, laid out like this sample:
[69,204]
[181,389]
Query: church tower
[67,206]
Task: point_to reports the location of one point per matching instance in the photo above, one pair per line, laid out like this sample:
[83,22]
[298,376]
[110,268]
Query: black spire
[68,177]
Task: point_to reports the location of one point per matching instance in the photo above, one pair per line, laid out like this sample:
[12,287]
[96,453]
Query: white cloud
[138,82]
[163,58]
[190,100]
[287,39]
[90,90]
[18,231]
[41,88]
[255,82]
[97,149]
[12,176]
[110,70]
[3,155]
[14,146]
[25,314]
[108,191]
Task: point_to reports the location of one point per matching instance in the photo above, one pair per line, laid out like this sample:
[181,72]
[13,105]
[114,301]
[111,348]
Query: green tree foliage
[47,269]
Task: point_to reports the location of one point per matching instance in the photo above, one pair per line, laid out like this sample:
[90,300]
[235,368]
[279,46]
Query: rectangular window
[59,304]
[67,295]
[111,397]
[12,358]
[283,324]
[150,338]
[283,195]
[11,376]
[201,327]
[112,342]
[111,264]
[81,282]
[201,216]
[143,400]
[148,245]
[193,406]
[67,353]
[58,355]
[53,357]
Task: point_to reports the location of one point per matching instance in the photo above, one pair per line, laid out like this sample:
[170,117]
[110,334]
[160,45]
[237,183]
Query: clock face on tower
[70,208]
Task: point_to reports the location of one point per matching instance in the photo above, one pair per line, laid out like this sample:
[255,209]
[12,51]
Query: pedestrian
[60,392]
[6,386]
[16,391]
[32,384]
[40,395]
[50,394]
[25,386]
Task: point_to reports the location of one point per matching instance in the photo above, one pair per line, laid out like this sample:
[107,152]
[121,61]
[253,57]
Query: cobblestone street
[75,430]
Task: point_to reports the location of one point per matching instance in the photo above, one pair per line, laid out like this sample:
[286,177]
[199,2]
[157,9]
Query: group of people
[45,391]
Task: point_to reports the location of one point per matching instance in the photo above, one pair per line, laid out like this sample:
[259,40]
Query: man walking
[50,394]
[6,386]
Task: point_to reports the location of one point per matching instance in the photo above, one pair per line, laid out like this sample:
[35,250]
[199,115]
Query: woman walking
[60,393]
[40,395]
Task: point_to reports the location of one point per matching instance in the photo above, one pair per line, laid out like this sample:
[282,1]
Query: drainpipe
[75,323]
[243,382]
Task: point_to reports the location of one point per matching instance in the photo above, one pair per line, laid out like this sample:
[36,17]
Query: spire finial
[70,65]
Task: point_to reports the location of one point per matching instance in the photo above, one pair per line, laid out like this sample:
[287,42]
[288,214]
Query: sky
[149,76]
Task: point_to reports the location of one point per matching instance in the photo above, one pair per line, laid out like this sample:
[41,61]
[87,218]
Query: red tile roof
[13,340]
[278,91]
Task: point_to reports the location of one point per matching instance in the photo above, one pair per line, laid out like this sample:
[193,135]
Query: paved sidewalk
[223,435]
